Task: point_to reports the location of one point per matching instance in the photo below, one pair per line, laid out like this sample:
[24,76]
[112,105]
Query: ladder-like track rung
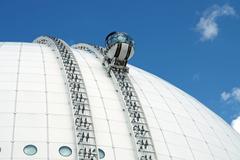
[78,96]
[134,111]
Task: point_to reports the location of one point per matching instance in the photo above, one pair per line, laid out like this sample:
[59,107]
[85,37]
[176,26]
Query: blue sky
[192,44]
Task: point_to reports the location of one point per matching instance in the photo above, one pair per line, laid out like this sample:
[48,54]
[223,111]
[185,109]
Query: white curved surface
[34,110]
[33,103]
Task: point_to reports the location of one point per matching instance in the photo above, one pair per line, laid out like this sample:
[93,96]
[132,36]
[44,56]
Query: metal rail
[133,109]
[83,123]
[139,129]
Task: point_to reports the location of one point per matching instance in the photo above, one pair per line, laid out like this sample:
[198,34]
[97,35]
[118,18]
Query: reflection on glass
[30,150]
[101,153]
[118,37]
[65,151]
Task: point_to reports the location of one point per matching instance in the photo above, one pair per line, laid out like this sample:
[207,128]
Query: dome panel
[35,110]
[29,97]
[173,112]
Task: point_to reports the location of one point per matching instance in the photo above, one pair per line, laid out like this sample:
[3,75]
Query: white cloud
[233,95]
[236,94]
[207,25]
[225,96]
[236,124]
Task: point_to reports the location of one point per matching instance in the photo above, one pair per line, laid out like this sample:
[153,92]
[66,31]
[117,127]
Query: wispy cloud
[196,77]
[236,124]
[207,25]
[225,96]
[232,96]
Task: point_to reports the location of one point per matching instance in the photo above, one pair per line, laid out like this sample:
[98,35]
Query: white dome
[35,110]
